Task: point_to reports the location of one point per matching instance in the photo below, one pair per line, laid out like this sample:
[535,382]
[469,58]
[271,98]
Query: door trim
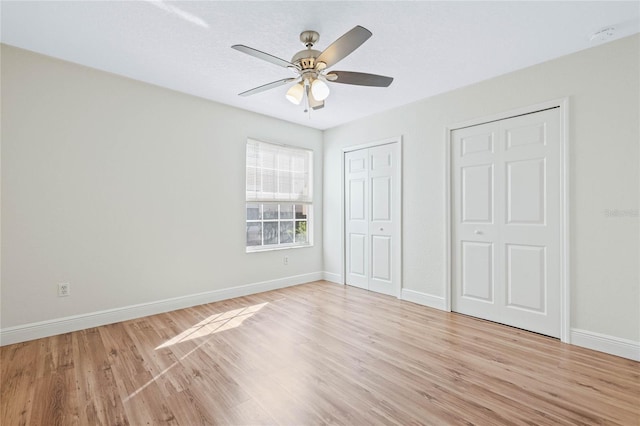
[565,225]
[343,245]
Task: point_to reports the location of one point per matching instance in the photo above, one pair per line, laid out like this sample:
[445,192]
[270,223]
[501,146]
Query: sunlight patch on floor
[214,324]
[210,325]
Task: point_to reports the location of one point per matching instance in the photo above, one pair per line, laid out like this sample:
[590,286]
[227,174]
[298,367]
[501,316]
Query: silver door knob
[382,229]
[477,232]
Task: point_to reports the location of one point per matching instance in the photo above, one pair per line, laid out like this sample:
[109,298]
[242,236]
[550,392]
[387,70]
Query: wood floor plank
[142,400]
[55,382]
[309,355]
[17,382]
[56,402]
[99,402]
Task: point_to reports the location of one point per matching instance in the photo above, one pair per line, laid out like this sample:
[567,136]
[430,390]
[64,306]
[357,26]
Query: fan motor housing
[306,58]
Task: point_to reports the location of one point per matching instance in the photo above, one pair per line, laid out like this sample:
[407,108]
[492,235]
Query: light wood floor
[308,355]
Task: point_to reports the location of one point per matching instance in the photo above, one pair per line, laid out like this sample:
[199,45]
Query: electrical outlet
[285,260]
[64,289]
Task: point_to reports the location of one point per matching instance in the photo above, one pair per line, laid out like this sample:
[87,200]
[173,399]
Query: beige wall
[130,192]
[603,86]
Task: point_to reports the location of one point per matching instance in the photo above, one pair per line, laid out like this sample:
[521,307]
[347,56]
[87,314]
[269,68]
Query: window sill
[262,248]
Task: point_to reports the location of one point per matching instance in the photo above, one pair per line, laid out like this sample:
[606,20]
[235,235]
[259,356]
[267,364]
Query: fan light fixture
[295,93]
[319,90]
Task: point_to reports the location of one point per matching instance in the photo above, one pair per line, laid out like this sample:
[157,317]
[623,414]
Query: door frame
[397,209]
[565,225]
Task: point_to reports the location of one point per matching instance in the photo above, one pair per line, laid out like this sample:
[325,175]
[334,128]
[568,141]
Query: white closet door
[372,192]
[383,232]
[475,225]
[506,224]
[357,218]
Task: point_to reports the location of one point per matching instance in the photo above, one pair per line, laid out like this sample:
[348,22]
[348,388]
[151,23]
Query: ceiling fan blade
[261,55]
[267,86]
[360,79]
[343,46]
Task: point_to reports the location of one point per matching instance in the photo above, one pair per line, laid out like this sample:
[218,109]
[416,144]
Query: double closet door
[372,218]
[506,216]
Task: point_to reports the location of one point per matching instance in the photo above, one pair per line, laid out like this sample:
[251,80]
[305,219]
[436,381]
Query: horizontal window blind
[277,173]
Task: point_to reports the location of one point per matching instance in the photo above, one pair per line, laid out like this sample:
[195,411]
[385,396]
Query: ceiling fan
[311,66]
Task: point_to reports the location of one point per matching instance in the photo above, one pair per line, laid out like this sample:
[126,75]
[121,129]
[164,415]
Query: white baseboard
[334,278]
[37,330]
[624,348]
[425,299]
[588,339]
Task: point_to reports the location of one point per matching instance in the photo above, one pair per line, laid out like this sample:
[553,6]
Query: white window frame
[254,196]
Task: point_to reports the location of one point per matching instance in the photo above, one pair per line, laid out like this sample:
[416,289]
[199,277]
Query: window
[279,196]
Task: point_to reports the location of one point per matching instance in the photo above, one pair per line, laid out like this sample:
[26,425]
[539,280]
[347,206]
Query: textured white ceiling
[428,47]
